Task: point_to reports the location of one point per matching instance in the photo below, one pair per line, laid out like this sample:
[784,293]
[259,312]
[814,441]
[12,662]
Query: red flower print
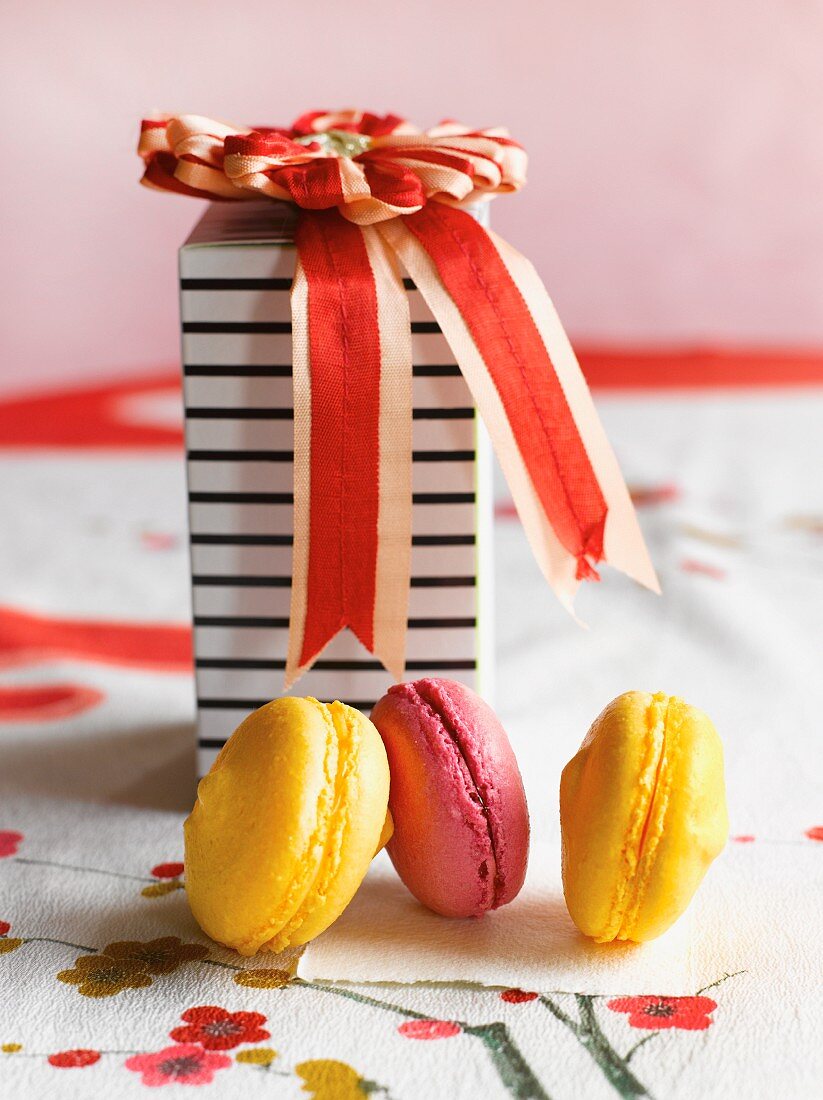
[428,1029]
[505,509]
[158,540]
[185,1064]
[9,842]
[815,833]
[744,838]
[517,996]
[7,943]
[216,1029]
[691,565]
[167,870]
[643,495]
[686,1013]
[74,1059]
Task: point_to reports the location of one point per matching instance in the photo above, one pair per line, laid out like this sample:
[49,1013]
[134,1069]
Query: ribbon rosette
[373,191]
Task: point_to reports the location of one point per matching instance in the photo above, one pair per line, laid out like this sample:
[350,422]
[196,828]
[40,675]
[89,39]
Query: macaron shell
[460,842]
[358,820]
[492,765]
[605,794]
[643,814]
[256,835]
[689,825]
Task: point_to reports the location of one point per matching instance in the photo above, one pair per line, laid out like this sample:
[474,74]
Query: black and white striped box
[235,275]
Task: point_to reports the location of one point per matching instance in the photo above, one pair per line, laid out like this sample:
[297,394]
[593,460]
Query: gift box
[236,273]
[348,319]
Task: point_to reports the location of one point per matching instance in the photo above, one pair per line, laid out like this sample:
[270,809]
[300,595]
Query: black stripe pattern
[202,455]
[251,284]
[324,665]
[223,694]
[229,412]
[288,498]
[256,622]
[226,580]
[198,539]
[284,370]
[276,328]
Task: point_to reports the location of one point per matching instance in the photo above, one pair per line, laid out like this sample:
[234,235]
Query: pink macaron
[461,824]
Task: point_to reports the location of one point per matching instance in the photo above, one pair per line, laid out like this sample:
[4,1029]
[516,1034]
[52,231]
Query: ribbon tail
[624,547]
[352,445]
[474,290]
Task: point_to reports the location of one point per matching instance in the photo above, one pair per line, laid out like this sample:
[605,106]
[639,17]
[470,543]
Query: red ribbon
[507,338]
[344,349]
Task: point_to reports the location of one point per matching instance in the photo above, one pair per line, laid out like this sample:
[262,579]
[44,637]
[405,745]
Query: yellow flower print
[326,1079]
[159,889]
[103,976]
[156,956]
[129,964]
[260,1056]
[263,978]
[11,1048]
[9,944]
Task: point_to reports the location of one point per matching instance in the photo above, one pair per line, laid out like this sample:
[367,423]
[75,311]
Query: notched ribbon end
[585,570]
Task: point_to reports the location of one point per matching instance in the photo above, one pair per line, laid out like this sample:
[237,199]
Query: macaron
[286,824]
[461,824]
[642,815]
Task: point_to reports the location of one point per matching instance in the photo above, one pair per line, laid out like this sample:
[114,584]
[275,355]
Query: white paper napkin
[385,935]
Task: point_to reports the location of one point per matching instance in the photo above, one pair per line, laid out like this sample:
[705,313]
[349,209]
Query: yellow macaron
[286,824]
[643,814]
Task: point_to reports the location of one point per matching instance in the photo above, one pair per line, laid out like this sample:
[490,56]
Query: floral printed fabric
[108,987]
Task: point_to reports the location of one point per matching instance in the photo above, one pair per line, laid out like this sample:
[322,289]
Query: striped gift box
[235,275]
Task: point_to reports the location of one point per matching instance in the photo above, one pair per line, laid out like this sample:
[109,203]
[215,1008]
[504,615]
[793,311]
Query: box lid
[231,223]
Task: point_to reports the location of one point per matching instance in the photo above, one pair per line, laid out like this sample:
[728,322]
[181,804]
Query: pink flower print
[182,1064]
[429,1029]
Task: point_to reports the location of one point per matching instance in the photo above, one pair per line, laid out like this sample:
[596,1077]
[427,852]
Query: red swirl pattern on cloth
[27,638]
[46,702]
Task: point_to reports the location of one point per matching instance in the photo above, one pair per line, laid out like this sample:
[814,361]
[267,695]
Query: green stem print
[85,870]
[591,1037]
[725,978]
[512,1068]
[641,1042]
[61,943]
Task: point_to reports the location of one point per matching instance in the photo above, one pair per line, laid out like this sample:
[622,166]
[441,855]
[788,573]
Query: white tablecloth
[96,767]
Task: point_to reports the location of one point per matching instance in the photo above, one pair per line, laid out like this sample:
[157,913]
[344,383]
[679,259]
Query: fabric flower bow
[370,167]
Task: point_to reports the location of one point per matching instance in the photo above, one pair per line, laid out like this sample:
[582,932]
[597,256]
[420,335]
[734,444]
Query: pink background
[676,190]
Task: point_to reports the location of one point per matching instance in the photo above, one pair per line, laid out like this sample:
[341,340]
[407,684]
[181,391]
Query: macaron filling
[646,819]
[270,936]
[321,859]
[434,698]
[656,817]
[331,827]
